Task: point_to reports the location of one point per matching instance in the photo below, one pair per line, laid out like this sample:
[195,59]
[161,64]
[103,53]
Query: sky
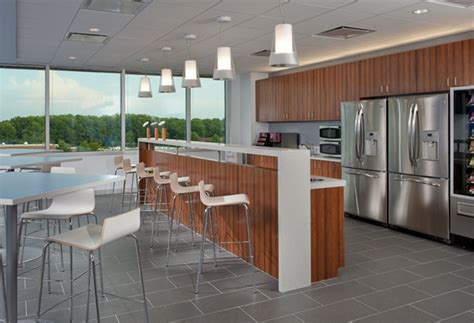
[88,93]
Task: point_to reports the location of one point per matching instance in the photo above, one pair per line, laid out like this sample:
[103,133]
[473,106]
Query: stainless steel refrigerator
[418,158]
[364,158]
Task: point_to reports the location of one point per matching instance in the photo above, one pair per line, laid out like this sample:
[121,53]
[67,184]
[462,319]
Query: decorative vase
[157,135]
[148,133]
[164,133]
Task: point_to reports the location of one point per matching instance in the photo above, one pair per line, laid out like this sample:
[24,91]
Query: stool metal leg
[249,241]
[101,272]
[123,190]
[71,281]
[159,193]
[203,241]
[131,192]
[49,259]
[173,208]
[60,247]
[191,217]
[43,260]
[140,272]
[94,277]
[88,290]
[178,225]
[113,193]
[212,224]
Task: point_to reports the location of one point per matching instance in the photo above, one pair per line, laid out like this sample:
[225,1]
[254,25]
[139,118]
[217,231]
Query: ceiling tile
[247,6]
[375,7]
[294,12]
[82,52]
[109,23]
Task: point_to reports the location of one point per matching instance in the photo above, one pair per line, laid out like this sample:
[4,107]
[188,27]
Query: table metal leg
[12,261]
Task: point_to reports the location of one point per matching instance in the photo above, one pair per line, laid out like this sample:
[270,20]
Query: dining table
[12,152]
[8,163]
[17,188]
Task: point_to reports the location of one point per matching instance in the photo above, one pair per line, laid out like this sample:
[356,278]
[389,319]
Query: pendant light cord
[219,37]
[189,48]
[281,10]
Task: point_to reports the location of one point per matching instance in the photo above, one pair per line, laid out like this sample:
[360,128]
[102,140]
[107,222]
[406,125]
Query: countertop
[326,182]
[244,149]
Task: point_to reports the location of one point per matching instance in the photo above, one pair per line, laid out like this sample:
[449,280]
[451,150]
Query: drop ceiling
[42,26]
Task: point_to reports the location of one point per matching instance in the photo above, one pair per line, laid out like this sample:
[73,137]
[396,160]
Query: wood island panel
[259,180]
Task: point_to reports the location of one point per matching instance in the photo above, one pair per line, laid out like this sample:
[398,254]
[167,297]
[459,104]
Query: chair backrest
[141,170]
[174,184]
[63,170]
[156,176]
[120,226]
[126,165]
[205,199]
[118,161]
[82,201]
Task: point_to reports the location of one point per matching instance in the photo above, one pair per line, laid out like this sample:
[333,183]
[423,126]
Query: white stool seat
[236,199]
[166,181]
[64,207]
[86,237]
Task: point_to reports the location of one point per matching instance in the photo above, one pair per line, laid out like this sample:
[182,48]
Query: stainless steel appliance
[364,158]
[330,148]
[330,133]
[418,163]
[279,139]
[462,161]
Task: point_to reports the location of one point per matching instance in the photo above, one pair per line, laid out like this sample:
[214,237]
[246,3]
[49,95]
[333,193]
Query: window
[168,107]
[22,107]
[208,111]
[85,110]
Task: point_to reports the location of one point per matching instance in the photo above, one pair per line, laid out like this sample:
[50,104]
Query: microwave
[330,149]
[330,133]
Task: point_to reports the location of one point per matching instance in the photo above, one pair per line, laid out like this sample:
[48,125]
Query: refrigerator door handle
[401,179]
[362,134]
[362,174]
[410,134]
[357,134]
[416,134]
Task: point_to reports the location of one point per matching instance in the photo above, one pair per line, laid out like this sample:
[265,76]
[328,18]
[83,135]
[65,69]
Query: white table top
[22,152]
[244,149]
[326,182]
[27,161]
[16,188]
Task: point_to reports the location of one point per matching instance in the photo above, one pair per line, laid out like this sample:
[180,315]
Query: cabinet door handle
[455,81]
[447,81]
[386,88]
[381,88]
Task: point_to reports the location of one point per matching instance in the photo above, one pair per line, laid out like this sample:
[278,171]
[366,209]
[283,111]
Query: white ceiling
[43,24]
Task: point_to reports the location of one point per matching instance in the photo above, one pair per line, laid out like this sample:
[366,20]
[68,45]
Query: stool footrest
[123,297]
[62,301]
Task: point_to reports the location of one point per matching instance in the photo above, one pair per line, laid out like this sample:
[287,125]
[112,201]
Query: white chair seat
[131,171]
[166,181]
[86,237]
[236,199]
[192,189]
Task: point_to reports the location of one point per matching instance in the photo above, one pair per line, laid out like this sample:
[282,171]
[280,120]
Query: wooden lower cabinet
[326,168]
[327,233]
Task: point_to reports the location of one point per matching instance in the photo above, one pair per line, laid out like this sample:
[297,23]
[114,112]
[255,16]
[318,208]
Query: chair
[65,208]
[181,192]
[162,183]
[91,238]
[212,202]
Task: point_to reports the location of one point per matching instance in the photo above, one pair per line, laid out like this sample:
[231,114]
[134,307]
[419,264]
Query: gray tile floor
[390,277]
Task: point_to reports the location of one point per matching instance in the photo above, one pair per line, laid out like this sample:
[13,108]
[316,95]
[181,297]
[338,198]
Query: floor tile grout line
[452,316]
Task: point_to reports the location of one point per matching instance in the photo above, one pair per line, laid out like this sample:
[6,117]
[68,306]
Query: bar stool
[162,184]
[64,207]
[128,169]
[181,192]
[212,202]
[91,238]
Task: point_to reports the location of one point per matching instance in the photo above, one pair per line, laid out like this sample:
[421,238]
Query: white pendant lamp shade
[167,82]
[190,75]
[284,52]
[224,68]
[145,88]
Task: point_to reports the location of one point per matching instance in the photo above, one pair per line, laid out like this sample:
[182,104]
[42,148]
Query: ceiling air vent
[455,3]
[87,38]
[119,6]
[344,32]
[262,53]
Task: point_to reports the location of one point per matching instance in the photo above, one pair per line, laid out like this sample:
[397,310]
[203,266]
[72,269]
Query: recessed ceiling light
[94,30]
[72,57]
[420,11]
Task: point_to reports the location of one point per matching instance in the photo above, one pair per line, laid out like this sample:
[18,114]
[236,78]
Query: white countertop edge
[108,180]
[32,162]
[327,183]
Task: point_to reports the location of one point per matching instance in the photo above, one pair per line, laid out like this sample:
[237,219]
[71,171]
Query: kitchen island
[297,224]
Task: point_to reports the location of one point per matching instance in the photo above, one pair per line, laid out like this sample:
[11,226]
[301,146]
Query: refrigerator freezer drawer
[462,217]
[365,194]
[420,204]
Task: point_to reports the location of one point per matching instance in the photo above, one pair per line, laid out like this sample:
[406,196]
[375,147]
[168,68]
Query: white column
[123,110]
[188,114]
[47,101]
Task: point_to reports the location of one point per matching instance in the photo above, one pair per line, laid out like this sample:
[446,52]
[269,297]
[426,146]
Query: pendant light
[144,90]
[190,71]
[166,80]
[283,52]
[224,66]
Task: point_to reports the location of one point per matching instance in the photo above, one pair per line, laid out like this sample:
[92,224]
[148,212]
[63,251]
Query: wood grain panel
[269,162]
[326,168]
[327,233]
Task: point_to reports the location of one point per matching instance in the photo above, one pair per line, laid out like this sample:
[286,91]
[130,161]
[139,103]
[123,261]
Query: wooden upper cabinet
[462,63]
[265,100]
[372,77]
[350,81]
